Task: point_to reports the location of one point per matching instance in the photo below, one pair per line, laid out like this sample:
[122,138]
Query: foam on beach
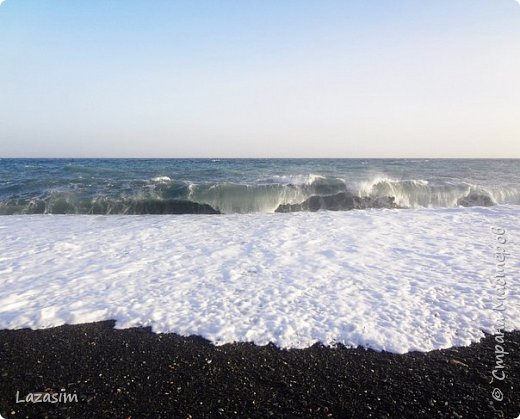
[394,280]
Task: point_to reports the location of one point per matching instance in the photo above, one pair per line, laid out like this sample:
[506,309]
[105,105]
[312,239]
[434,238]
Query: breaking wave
[163,195]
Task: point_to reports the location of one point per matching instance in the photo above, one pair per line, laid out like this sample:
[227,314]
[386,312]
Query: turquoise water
[142,186]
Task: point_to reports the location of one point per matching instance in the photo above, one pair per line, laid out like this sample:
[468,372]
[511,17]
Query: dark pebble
[134,373]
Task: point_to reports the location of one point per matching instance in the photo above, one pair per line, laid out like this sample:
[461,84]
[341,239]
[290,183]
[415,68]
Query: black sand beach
[135,373]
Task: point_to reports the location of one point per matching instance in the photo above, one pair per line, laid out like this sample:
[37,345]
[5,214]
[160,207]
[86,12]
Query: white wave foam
[416,193]
[307,179]
[161,179]
[389,280]
[504,194]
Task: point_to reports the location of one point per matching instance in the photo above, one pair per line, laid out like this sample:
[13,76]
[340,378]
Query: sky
[266,78]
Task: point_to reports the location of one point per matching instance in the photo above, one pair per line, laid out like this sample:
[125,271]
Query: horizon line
[253,158]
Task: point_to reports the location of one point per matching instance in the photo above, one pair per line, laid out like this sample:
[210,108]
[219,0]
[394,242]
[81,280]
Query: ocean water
[420,277]
[173,186]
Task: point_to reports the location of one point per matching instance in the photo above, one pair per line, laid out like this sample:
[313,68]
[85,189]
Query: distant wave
[311,192]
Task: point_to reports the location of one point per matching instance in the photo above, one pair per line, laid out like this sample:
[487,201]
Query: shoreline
[136,373]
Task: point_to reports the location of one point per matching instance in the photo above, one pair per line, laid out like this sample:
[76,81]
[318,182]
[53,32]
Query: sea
[395,255]
[215,186]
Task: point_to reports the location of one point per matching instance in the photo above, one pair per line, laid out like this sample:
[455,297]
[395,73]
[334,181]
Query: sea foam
[390,280]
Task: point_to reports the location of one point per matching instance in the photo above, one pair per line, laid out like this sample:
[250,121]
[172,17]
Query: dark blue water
[156,186]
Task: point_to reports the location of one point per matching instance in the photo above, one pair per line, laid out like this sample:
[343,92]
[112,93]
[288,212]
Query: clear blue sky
[367,78]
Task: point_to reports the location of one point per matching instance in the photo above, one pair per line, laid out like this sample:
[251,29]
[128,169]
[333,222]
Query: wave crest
[162,195]
[417,193]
